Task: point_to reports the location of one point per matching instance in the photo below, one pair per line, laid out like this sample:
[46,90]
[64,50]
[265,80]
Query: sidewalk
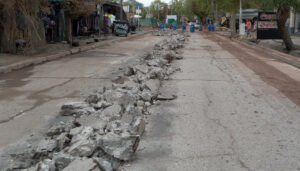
[11,62]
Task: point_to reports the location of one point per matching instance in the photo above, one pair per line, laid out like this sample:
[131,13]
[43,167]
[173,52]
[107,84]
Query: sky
[148,2]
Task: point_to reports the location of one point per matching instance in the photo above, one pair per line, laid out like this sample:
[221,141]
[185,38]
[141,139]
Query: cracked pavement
[30,98]
[225,118]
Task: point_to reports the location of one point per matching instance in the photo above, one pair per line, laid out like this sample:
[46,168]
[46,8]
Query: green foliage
[271,4]
[159,9]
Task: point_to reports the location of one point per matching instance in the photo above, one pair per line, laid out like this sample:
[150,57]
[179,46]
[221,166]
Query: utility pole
[121,10]
[240,19]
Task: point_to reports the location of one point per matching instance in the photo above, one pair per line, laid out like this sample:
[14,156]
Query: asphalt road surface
[30,99]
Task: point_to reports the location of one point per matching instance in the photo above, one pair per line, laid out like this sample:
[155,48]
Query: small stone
[92,99]
[140,103]
[147,104]
[62,160]
[138,125]
[129,71]
[46,165]
[146,95]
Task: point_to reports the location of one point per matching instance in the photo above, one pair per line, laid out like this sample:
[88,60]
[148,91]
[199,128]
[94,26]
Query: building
[31,23]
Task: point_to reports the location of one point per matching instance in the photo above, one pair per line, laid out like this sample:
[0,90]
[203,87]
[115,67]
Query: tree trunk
[282,16]
[69,36]
[233,24]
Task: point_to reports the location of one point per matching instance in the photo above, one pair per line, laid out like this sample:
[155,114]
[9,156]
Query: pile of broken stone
[108,125]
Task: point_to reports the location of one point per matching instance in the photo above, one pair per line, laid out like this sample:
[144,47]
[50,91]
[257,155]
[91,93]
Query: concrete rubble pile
[106,128]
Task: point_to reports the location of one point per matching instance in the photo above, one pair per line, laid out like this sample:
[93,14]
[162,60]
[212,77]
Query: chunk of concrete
[105,165]
[111,113]
[82,164]
[83,148]
[153,85]
[62,160]
[83,133]
[141,68]
[76,108]
[146,95]
[46,165]
[62,140]
[45,146]
[119,146]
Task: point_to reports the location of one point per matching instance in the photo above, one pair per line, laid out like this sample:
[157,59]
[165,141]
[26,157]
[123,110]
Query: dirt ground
[262,63]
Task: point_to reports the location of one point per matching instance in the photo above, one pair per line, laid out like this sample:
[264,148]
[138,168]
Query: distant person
[183,26]
[248,27]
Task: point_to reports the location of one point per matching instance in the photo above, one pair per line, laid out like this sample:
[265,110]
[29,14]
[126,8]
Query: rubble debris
[59,128]
[62,160]
[76,109]
[93,98]
[83,148]
[119,146]
[111,113]
[82,164]
[62,140]
[45,146]
[138,125]
[129,71]
[104,164]
[153,85]
[108,124]
[46,165]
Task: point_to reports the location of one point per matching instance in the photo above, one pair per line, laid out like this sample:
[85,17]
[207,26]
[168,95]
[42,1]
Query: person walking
[248,27]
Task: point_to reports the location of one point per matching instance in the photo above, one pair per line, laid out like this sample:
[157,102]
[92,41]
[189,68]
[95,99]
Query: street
[236,109]
[225,118]
[30,98]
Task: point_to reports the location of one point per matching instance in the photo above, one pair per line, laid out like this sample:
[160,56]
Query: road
[30,99]
[237,108]
[229,115]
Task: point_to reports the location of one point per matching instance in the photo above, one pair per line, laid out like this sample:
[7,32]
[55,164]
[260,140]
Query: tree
[283,8]
[231,6]
[158,9]
[20,20]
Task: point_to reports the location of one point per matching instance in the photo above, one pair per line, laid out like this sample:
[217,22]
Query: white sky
[148,2]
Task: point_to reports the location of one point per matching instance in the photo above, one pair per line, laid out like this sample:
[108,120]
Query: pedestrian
[248,27]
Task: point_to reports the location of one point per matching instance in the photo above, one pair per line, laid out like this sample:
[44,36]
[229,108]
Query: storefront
[111,12]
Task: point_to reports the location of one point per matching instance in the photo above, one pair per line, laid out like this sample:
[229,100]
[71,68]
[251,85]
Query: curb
[61,54]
